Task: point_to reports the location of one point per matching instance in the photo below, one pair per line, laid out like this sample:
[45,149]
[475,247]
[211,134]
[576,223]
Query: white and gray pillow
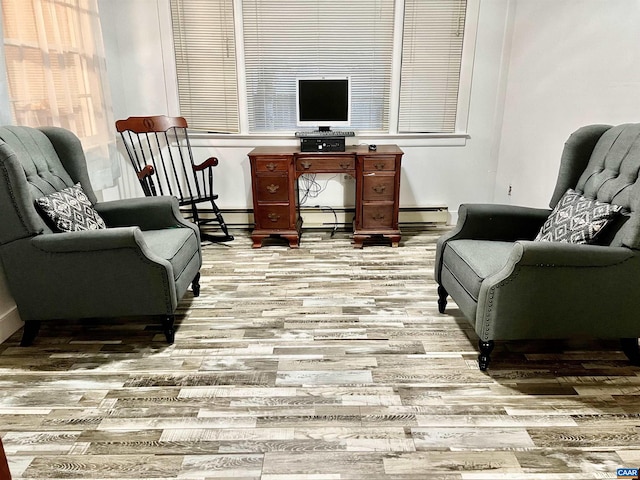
[70,210]
[577,219]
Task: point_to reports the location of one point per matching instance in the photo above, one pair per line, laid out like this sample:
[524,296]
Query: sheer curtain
[56,75]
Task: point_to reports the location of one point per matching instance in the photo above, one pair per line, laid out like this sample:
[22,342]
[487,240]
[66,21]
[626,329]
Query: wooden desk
[274,174]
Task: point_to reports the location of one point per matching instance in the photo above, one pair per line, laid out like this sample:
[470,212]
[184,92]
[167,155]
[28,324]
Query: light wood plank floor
[322,363]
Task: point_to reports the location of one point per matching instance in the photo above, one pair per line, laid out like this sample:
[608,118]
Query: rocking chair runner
[160,152]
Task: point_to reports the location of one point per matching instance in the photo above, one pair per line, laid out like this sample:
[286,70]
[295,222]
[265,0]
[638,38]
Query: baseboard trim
[324,216]
[10,323]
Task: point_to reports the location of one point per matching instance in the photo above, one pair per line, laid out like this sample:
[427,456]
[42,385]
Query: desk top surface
[349,150]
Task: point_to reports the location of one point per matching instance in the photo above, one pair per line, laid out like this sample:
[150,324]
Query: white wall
[572,63]
[432,175]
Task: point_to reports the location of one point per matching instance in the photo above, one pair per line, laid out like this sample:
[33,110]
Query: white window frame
[245,138]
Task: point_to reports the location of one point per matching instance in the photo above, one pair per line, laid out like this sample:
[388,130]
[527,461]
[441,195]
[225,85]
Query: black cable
[310,188]
[335,218]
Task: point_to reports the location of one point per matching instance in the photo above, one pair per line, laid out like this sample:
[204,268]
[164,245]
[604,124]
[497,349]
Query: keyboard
[326,133]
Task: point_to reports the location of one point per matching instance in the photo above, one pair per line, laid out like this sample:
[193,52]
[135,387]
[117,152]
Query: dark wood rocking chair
[160,152]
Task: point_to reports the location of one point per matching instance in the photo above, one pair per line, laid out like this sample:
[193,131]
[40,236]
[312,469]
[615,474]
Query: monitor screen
[323,101]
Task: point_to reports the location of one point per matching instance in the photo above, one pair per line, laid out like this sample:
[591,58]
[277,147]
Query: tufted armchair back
[603,162]
[33,163]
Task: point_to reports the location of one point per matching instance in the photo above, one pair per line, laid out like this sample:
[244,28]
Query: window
[278,41]
[205,51]
[431,61]
[55,69]
[331,38]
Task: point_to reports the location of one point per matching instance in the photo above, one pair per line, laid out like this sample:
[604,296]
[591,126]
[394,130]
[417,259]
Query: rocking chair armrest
[146,171]
[208,163]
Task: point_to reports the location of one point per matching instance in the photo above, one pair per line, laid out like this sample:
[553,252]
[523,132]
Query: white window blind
[431,58]
[204,42]
[285,39]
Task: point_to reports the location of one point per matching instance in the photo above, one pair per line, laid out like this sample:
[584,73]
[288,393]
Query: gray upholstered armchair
[140,265]
[511,284]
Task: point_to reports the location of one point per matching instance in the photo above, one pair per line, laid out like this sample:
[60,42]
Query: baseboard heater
[338,217]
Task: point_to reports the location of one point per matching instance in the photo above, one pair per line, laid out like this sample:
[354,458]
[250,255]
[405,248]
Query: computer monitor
[323,102]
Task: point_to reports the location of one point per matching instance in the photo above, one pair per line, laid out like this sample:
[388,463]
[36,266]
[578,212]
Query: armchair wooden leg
[631,350]
[486,347]
[31,329]
[195,285]
[167,326]
[442,298]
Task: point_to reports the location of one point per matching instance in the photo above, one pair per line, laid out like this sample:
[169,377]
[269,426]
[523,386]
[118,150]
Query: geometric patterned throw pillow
[70,210]
[577,219]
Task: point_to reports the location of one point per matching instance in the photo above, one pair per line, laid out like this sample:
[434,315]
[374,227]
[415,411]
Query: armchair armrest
[98,242]
[555,254]
[560,290]
[117,260]
[485,221]
[506,223]
[148,213]
[89,241]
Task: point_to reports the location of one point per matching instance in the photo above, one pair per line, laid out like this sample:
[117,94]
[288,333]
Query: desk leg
[358,239]
[292,238]
[257,240]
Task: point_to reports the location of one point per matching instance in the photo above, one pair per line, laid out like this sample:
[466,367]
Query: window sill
[203,139]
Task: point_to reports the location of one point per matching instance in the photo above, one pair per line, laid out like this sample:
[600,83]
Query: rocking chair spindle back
[160,152]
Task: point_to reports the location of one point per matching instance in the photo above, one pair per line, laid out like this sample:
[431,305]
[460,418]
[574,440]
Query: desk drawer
[270,164]
[377,216]
[378,187]
[378,163]
[332,164]
[272,188]
[272,217]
